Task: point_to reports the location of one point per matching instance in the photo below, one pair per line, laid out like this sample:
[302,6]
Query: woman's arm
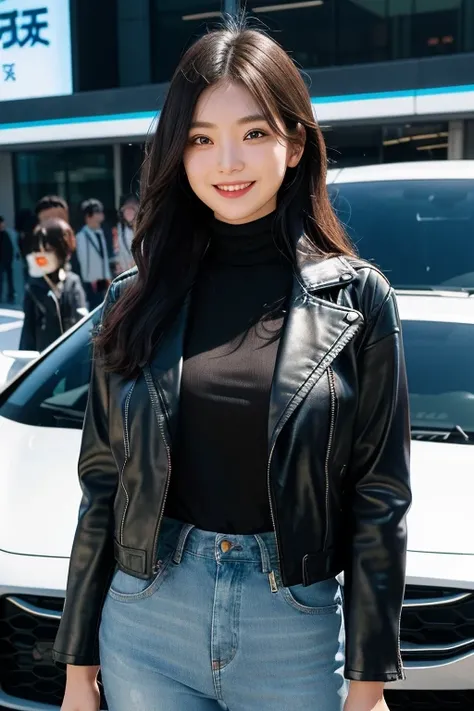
[92,557]
[378,498]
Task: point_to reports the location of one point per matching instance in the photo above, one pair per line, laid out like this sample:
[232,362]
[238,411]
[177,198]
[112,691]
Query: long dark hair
[170,226]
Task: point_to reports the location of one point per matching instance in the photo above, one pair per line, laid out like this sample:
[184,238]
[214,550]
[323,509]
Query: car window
[419,232]
[54,392]
[440,374]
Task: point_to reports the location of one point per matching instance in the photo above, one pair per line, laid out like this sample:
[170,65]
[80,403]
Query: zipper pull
[272,581]
[157,566]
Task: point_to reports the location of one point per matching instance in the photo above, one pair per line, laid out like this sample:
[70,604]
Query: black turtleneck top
[219,468]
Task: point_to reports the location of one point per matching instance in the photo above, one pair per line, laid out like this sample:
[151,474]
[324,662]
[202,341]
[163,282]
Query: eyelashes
[196,140]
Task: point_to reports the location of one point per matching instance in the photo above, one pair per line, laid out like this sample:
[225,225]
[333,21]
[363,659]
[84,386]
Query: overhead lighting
[432,148]
[201,16]
[288,6]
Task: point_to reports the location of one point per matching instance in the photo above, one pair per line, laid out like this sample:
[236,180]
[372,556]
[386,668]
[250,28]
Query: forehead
[225,102]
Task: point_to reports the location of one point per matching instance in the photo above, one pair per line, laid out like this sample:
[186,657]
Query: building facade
[81,83]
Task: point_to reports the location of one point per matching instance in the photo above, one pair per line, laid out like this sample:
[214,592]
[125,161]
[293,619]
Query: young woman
[247,434]
[123,234]
[54,298]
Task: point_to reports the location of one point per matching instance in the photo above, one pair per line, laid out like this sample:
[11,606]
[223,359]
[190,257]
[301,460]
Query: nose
[230,158]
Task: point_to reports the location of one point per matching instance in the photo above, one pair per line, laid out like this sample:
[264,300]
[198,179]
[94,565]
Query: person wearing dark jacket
[6,262]
[247,435]
[54,297]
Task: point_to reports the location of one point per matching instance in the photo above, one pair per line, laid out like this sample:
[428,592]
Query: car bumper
[24,576]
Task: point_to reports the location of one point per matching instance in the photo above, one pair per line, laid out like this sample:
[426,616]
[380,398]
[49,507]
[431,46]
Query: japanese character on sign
[13,33]
[9,72]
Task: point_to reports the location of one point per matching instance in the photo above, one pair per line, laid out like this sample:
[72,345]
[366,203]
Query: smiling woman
[246,437]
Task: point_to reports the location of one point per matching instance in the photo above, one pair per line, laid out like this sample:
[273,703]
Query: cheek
[273,164]
[196,166]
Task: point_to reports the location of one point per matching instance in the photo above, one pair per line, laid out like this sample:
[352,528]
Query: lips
[41,261]
[234,190]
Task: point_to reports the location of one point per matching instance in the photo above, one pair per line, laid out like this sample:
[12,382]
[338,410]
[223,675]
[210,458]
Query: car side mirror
[21,355]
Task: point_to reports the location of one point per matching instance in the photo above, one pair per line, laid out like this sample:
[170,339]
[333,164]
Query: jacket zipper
[272,515]
[155,395]
[332,423]
[332,355]
[126,444]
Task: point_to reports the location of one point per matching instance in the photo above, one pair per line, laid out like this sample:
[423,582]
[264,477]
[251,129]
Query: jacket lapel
[166,367]
[315,332]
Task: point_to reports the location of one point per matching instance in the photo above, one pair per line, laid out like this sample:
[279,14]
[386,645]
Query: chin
[240,213]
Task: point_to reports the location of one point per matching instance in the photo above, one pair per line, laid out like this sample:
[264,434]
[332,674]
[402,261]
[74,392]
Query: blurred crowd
[65,274]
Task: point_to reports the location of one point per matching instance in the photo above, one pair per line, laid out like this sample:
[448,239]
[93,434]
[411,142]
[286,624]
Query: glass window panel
[175,24]
[73,173]
[415,142]
[90,174]
[406,226]
[436,27]
[133,155]
[306,31]
[363,31]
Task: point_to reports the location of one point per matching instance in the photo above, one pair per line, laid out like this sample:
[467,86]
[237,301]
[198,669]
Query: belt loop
[183,536]
[266,564]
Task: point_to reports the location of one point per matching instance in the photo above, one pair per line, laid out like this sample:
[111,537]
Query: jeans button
[226,546]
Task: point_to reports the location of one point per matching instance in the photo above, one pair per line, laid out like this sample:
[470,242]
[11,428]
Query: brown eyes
[205,141]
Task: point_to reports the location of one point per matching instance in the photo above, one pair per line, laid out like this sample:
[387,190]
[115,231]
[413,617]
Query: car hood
[39,488]
[442,477]
[40,493]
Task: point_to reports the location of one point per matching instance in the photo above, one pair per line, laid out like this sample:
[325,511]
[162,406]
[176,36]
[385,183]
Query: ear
[296,149]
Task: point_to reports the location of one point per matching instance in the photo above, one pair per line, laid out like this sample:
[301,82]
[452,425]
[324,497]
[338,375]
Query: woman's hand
[82,691]
[366,696]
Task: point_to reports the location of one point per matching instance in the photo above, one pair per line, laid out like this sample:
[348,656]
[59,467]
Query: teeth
[233,188]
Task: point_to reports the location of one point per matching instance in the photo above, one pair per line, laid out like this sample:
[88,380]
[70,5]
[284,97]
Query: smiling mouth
[234,190]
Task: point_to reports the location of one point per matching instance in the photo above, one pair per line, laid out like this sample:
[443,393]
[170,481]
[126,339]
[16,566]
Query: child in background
[54,297]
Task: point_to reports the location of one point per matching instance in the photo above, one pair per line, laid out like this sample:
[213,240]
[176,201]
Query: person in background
[6,262]
[123,234]
[92,253]
[54,298]
[51,206]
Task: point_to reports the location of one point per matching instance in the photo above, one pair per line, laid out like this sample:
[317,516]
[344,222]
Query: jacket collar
[318,273]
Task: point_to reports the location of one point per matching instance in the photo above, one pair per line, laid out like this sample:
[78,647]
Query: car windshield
[419,232]
[53,392]
[440,375]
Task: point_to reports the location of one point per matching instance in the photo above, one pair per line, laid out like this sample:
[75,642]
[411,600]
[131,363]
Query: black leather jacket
[338,450]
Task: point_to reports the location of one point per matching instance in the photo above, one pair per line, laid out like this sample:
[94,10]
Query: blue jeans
[215,629]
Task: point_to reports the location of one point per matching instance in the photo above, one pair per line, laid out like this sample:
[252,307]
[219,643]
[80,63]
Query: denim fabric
[215,629]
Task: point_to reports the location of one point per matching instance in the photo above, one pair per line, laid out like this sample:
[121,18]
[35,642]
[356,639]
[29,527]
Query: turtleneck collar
[244,244]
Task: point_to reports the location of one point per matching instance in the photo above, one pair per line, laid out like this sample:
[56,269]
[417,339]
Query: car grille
[28,626]
[430,700]
[26,640]
[437,623]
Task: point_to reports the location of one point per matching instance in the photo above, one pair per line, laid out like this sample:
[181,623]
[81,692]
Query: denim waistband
[252,548]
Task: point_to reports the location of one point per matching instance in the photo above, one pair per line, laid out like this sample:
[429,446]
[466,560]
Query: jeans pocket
[321,598]
[128,588]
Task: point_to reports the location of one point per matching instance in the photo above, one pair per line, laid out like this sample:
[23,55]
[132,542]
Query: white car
[41,415]
[11,323]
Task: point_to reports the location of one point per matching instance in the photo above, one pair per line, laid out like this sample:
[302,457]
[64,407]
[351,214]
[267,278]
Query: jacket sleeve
[380,498]
[79,297]
[28,331]
[92,558]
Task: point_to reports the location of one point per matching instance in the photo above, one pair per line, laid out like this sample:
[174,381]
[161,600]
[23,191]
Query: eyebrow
[245,119]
